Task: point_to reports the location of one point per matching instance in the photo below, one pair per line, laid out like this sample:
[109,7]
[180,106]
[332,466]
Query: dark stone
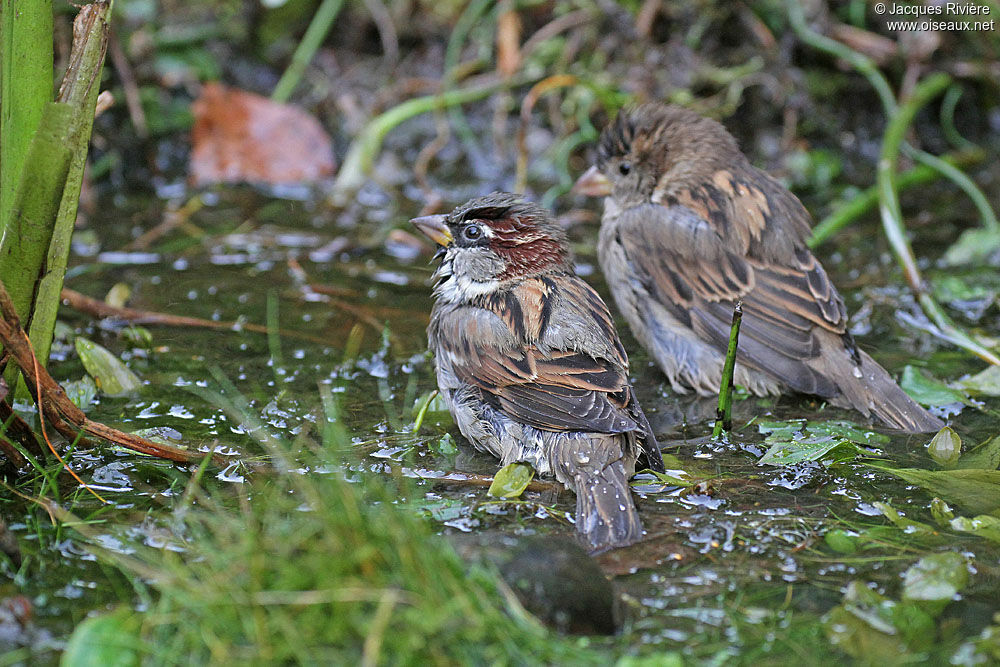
[557,581]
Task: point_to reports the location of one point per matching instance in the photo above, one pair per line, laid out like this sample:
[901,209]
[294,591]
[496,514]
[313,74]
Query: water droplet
[857,372]
[582,458]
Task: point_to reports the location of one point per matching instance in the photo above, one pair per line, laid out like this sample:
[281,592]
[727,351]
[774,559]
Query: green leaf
[928,390]
[81,392]
[511,480]
[807,449]
[110,374]
[109,640]
[795,440]
[984,525]
[945,447]
[975,490]
[118,295]
[841,541]
[785,430]
[985,382]
[941,512]
[953,288]
[973,245]
[445,445]
[140,337]
[984,457]
[863,626]
[672,480]
[859,639]
[901,521]
[667,659]
[848,431]
[888,616]
[936,578]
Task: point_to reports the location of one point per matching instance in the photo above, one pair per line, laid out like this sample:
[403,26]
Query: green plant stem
[273,338]
[418,421]
[318,28]
[79,89]
[365,147]
[862,63]
[724,413]
[868,199]
[900,118]
[25,88]
[892,219]
[951,133]
[956,176]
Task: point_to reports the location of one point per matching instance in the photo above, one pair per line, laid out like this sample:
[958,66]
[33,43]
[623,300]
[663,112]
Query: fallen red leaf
[239,136]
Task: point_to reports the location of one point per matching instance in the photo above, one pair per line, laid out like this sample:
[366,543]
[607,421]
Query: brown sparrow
[689,227]
[529,362]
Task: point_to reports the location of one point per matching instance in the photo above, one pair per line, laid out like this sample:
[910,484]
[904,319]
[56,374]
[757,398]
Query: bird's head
[489,242]
[652,149]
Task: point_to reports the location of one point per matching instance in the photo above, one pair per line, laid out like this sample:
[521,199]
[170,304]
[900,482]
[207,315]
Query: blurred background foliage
[810,117]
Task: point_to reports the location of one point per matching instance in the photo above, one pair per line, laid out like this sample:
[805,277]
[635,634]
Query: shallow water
[736,565]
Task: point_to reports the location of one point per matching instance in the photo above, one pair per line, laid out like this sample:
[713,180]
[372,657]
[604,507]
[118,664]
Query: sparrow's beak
[434,228]
[593,184]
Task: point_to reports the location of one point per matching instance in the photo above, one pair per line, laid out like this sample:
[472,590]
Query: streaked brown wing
[519,372]
[698,257]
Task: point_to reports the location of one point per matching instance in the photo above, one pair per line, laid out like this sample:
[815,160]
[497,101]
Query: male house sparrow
[529,362]
[689,227]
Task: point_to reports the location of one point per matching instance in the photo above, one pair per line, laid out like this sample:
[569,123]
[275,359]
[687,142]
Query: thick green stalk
[315,34]
[892,218]
[25,87]
[25,241]
[26,238]
[79,89]
[724,413]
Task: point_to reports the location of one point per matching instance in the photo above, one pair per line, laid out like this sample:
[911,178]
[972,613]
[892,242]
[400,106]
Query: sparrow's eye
[472,232]
[624,168]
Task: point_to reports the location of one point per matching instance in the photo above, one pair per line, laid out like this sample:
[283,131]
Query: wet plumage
[529,363]
[689,227]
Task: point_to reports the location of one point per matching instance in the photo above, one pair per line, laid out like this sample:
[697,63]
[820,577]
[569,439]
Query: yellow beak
[434,228]
[593,184]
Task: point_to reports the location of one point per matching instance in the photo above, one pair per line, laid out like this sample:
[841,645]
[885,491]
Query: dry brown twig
[99,309]
[55,406]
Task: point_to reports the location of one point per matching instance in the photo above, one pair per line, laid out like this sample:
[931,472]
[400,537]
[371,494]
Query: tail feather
[606,515]
[869,389]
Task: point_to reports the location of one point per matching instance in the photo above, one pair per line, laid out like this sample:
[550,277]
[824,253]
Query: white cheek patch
[461,289]
[455,275]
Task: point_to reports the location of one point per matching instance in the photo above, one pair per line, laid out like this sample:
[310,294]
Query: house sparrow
[689,227]
[529,362]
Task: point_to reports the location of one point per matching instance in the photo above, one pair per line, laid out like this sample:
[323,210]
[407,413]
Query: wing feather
[691,260]
[547,386]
